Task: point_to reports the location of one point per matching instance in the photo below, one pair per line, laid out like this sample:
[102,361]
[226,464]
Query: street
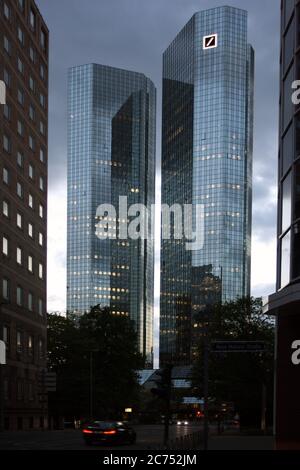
[148,436]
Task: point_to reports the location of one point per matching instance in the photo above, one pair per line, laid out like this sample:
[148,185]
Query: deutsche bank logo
[210,41]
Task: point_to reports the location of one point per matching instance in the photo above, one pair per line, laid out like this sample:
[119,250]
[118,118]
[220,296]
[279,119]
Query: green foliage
[238,377]
[97,346]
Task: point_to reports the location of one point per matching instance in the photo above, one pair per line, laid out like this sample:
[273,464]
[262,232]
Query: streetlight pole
[206,389]
[91,386]
[206,377]
[92,380]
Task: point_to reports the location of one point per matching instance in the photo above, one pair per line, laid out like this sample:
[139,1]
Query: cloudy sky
[133,34]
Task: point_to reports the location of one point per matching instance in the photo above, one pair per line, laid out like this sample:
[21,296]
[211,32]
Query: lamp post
[91,386]
[206,353]
[92,376]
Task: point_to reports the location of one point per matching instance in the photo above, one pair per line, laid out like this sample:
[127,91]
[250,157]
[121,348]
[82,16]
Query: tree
[239,378]
[97,351]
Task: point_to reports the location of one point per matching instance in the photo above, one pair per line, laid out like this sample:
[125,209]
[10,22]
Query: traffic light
[163,383]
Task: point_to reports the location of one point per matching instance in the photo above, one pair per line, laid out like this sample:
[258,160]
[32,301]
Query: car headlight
[178,422]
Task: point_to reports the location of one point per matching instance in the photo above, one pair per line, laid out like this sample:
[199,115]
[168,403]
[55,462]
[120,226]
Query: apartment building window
[19,255]
[41,211]
[5,289]
[20,126]
[41,239]
[32,54]
[32,19]
[41,271]
[30,201]
[6,11]
[30,301]
[30,230]
[20,66]
[41,183]
[7,111]
[41,348]
[19,296]
[5,208]
[21,4]
[43,40]
[7,77]
[21,36]
[42,100]
[7,45]
[6,395]
[30,171]
[6,143]
[5,246]
[31,398]
[19,190]
[42,128]
[20,397]
[19,220]
[20,97]
[42,72]
[42,155]
[31,112]
[5,175]
[30,263]
[6,336]
[31,83]
[31,143]
[30,345]
[20,159]
[40,307]
[19,341]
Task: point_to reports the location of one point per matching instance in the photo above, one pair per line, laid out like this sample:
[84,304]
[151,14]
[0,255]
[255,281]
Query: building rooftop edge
[110,67]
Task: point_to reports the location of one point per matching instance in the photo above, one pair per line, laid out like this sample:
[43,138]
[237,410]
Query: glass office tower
[207,125]
[111,153]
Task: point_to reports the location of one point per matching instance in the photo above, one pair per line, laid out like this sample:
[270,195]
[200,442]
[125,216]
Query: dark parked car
[108,432]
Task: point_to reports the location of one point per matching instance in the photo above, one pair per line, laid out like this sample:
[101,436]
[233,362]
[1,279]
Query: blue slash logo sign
[210,41]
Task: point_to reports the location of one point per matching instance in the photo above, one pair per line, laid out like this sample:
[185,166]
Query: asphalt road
[148,436]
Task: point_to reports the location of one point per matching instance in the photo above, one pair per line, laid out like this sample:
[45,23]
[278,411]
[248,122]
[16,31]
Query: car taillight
[113,431]
[87,431]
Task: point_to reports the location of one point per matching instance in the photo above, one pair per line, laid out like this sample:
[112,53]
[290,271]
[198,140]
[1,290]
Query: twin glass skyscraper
[111,153]
[207,121]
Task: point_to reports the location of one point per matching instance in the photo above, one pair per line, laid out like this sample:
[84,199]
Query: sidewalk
[241,443]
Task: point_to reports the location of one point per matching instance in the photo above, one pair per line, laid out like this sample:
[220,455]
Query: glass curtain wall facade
[111,153]
[207,133]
